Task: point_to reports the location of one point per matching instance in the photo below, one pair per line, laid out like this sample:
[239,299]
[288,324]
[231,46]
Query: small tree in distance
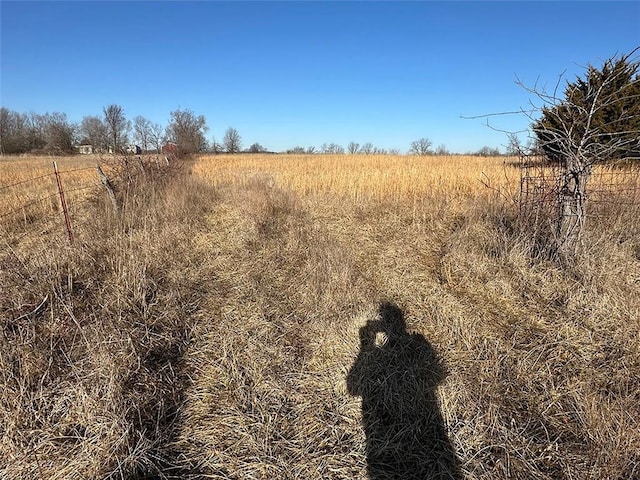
[353,148]
[215,147]
[487,152]
[232,142]
[256,148]
[331,149]
[58,133]
[188,131]
[117,126]
[442,150]
[94,132]
[142,132]
[421,147]
[367,148]
[156,136]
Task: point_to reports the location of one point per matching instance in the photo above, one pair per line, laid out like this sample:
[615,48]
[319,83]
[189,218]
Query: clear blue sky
[304,73]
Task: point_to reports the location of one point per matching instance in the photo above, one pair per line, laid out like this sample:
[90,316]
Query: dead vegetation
[241,320]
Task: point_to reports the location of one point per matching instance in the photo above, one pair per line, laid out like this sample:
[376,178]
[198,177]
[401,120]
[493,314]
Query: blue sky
[305,73]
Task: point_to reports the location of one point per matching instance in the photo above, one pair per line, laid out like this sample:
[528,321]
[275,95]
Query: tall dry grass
[322,317]
[24,180]
[399,179]
[93,334]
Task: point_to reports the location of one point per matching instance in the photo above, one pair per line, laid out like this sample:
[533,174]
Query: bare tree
[5,128]
[156,136]
[353,148]
[59,133]
[421,147]
[332,149]
[256,148]
[442,150]
[19,132]
[487,151]
[50,133]
[367,148]
[188,131]
[295,151]
[142,132]
[514,147]
[94,132]
[232,142]
[117,126]
[596,120]
[216,147]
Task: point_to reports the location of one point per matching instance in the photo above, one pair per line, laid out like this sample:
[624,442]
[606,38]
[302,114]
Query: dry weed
[321,317]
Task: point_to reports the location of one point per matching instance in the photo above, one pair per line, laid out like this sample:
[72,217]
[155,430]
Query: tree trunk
[572,200]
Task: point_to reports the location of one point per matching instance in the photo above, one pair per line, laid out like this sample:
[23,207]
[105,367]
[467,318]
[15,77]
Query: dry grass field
[316,317]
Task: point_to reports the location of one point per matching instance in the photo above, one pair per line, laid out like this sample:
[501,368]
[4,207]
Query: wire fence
[54,203]
[612,189]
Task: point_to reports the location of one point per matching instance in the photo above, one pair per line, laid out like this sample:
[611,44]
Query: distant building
[134,149]
[169,147]
[85,149]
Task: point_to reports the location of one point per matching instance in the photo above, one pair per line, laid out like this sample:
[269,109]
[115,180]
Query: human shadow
[396,374]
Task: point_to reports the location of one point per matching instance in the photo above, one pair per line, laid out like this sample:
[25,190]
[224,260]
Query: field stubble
[219,328]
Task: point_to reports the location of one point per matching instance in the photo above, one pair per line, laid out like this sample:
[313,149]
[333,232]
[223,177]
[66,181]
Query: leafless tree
[256,148]
[18,132]
[188,131]
[442,150]
[142,132]
[117,126]
[215,147]
[487,151]
[353,148]
[584,127]
[5,121]
[232,141]
[514,147]
[296,151]
[367,148]
[156,136]
[420,147]
[332,149]
[59,133]
[21,133]
[93,131]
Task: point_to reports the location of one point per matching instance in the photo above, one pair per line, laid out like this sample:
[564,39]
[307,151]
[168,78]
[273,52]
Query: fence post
[63,203]
[110,190]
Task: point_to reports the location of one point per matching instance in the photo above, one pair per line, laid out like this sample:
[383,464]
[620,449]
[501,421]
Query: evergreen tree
[600,114]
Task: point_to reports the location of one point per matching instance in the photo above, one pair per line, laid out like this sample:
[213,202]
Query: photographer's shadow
[396,374]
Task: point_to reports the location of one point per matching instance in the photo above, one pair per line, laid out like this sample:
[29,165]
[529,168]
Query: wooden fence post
[110,190]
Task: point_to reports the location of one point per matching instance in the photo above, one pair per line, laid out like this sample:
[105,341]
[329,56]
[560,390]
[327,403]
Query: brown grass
[242,320]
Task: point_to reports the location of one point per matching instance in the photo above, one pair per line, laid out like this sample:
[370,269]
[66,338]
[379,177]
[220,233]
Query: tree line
[112,131]
[421,147]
